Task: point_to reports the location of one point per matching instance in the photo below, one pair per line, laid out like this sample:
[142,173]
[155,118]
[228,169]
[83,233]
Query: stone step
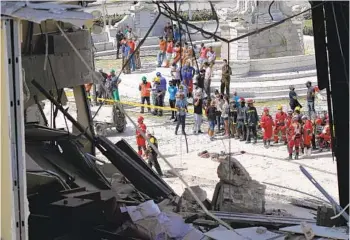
[104,46]
[271,77]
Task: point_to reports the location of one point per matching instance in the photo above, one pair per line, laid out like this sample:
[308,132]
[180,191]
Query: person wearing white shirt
[211,55]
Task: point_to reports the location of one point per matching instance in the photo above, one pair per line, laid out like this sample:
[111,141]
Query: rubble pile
[237,191]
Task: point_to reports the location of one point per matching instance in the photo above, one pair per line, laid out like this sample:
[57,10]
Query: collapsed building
[60,189]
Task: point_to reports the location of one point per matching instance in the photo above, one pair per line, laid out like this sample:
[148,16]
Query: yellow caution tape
[134,104]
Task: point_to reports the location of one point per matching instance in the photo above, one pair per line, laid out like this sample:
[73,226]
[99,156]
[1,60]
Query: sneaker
[200,131]
[247,142]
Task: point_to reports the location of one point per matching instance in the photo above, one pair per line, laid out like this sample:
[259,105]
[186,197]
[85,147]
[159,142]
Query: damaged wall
[68,69]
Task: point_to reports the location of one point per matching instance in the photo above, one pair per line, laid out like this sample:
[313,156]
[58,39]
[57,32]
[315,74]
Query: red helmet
[266,109]
[318,121]
[250,101]
[140,119]
[241,100]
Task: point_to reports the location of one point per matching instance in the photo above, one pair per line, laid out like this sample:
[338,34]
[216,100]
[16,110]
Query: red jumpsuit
[267,123]
[325,136]
[280,126]
[294,137]
[140,141]
[307,133]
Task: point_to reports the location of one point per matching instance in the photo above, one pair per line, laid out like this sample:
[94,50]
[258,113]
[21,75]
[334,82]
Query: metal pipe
[324,192]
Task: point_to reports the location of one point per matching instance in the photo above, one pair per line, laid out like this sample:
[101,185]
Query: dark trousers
[181,120]
[225,84]
[159,103]
[252,130]
[218,121]
[118,48]
[143,100]
[153,161]
[172,105]
[311,109]
[242,130]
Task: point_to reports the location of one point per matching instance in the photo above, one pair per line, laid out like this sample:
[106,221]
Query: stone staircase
[265,87]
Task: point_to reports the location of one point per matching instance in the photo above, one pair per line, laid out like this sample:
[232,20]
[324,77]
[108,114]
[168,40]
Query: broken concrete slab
[232,172]
[256,233]
[247,199]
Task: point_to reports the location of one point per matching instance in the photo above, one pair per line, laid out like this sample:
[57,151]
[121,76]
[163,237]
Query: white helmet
[150,132]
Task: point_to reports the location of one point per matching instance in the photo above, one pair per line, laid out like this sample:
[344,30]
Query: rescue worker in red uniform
[280,125]
[325,137]
[294,137]
[289,119]
[266,124]
[307,135]
[140,141]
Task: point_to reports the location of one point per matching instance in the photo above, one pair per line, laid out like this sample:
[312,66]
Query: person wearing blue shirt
[126,53]
[187,75]
[181,106]
[172,89]
[236,99]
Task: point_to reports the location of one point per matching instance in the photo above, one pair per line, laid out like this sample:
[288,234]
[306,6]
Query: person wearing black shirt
[293,98]
[310,97]
[200,78]
[119,36]
[251,120]
[198,112]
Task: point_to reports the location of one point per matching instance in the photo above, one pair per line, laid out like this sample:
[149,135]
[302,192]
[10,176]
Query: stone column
[239,50]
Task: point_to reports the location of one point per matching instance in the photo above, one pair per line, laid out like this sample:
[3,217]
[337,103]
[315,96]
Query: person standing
[202,56]
[241,127]
[176,33]
[145,89]
[162,51]
[211,55]
[169,53]
[294,137]
[310,97]
[181,106]
[172,98]
[175,73]
[293,98]
[280,125]
[225,78]
[132,62]
[126,55]
[176,53]
[219,99]
[152,154]
[251,120]
[211,115]
[140,141]
[119,37]
[267,124]
[162,92]
[200,78]
[198,112]
[207,79]
[187,75]
[307,135]
[115,81]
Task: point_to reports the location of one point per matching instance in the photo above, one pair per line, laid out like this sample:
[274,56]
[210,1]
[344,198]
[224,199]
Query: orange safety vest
[145,89]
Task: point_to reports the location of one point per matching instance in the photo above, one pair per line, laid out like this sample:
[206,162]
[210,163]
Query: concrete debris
[237,192]
[256,233]
[201,194]
[161,225]
[232,172]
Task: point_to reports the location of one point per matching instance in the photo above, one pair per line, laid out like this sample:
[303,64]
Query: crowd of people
[228,115]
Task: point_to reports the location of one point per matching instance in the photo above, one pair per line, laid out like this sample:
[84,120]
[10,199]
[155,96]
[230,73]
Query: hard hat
[250,101]
[296,118]
[297,109]
[158,74]
[144,78]
[290,111]
[140,119]
[279,107]
[266,109]
[308,83]
[241,100]
[304,117]
[318,121]
[112,70]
